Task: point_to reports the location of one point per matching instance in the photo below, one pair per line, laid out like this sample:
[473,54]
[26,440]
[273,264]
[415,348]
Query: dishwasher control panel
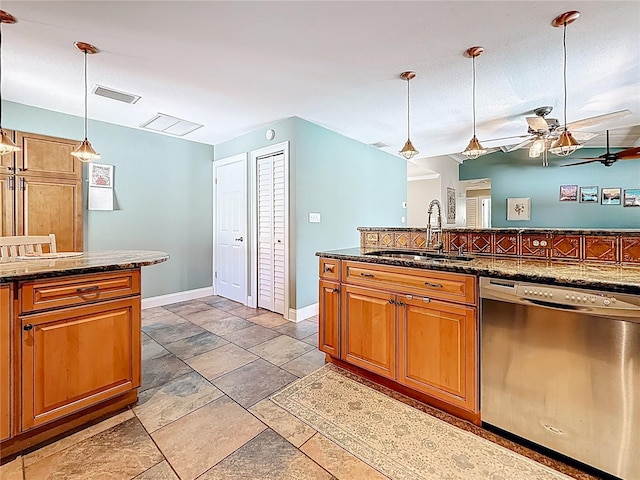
[567,296]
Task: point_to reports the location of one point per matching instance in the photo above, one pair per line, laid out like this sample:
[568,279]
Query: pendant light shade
[565,144]
[474,149]
[408,151]
[6,144]
[85,151]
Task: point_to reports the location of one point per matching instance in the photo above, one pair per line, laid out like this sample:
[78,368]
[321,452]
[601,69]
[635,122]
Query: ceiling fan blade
[538,124]
[591,160]
[598,119]
[503,138]
[520,145]
[583,136]
[629,154]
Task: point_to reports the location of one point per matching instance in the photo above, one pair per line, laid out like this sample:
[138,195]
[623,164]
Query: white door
[230,256]
[271,233]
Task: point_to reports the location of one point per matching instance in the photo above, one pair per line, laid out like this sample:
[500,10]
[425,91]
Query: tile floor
[209,366]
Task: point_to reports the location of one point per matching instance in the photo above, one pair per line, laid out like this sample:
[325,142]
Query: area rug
[399,441]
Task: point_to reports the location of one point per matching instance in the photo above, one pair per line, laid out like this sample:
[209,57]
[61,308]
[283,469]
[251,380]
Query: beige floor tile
[77,437]
[12,470]
[123,452]
[198,441]
[282,422]
[205,316]
[281,350]
[305,364]
[161,471]
[224,326]
[161,406]
[222,360]
[269,320]
[338,461]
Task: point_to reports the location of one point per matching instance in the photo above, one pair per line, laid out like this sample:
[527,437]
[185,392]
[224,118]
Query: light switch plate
[404,204]
[314,217]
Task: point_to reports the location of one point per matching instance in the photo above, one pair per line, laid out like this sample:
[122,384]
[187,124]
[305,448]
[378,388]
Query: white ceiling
[236,66]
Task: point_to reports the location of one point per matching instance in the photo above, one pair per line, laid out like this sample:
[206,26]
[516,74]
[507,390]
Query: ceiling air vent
[379,145]
[115,94]
[171,125]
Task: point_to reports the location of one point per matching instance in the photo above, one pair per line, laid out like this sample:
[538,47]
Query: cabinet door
[73,358]
[6,397]
[7,202]
[369,330]
[51,206]
[47,156]
[329,318]
[437,350]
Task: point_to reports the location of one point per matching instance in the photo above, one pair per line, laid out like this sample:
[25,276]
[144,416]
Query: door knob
[240,239]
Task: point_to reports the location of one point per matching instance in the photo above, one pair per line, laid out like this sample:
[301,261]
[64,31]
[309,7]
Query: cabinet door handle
[328,268]
[27,327]
[335,290]
[368,275]
[23,185]
[433,285]
[92,288]
[22,169]
[400,303]
[10,183]
[391,301]
[239,239]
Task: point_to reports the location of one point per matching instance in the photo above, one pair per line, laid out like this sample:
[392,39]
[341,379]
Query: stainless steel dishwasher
[561,367]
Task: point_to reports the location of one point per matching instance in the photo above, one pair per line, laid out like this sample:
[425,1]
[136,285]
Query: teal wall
[516,175]
[163,190]
[349,183]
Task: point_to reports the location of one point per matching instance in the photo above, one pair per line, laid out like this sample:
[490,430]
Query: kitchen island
[70,341]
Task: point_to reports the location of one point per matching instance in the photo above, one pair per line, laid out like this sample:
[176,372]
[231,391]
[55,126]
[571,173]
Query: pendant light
[6,144]
[565,144]
[85,151]
[474,149]
[408,151]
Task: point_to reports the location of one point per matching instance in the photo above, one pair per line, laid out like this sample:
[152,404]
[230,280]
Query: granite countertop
[89,262]
[618,278]
[539,230]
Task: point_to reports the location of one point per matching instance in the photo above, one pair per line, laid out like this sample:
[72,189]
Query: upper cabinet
[47,156]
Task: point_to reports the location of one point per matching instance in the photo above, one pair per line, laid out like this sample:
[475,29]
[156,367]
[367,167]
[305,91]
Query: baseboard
[176,297]
[303,313]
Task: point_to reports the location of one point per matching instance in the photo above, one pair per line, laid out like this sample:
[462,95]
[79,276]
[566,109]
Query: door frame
[241,157]
[270,150]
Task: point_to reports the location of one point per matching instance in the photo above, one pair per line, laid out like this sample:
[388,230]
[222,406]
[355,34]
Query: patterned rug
[399,441]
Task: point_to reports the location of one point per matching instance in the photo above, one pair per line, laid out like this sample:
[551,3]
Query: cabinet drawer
[442,285]
[40,295]
[329,269]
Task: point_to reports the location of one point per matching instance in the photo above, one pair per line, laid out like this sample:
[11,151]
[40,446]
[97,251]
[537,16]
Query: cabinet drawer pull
[27,327]
[400,303]
[433,285]
[368,275]
[391,301]
[335,290]
[92,288]
[328,268]
[426,299]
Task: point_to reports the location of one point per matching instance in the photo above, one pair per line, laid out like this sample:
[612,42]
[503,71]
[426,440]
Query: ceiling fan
[542,131]
[609,158]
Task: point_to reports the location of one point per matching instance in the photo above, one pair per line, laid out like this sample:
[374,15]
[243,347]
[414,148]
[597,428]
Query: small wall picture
[519,208]
[610,196]
[588,194]
[632,197]
[451,205]
[568,193]
[100,175]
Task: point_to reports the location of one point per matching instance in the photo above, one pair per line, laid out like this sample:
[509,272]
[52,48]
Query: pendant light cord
[408,130]
[0,74]
[85,94]
[564,50]
[473,69]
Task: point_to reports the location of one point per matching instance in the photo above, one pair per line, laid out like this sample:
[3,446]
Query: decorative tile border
[618,247]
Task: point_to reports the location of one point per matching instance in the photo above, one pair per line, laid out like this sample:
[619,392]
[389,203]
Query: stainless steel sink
[420,256]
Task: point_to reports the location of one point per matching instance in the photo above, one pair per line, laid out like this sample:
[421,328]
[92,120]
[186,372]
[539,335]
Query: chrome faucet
[434,232]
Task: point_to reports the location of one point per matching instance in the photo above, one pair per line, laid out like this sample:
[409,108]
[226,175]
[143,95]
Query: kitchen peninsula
[522,329]
[70,341]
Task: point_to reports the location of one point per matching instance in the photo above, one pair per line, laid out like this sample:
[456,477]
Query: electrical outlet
[404,204]
[403,219]
[314,217]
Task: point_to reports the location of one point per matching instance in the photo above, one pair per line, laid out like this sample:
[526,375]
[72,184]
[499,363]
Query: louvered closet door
[271,232]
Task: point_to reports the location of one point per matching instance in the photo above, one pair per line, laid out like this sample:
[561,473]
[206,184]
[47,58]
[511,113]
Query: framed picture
[610,196]
[451,205]
[588,194]
[518,208]
[100,175]
[568,193]
[632,197]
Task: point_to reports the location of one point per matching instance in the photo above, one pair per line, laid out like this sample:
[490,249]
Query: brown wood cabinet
[417,327]
[42,190]
[6,401]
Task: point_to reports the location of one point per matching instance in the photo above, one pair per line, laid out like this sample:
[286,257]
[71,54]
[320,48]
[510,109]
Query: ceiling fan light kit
[6,144]
[408,151]
[474,149]
[85,152]
[565,144]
